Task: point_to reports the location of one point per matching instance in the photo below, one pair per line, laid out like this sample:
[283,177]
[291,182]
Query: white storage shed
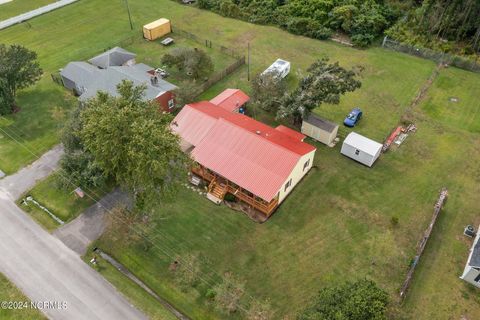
[361,149]
[471,274]
[280,68]
[320,129]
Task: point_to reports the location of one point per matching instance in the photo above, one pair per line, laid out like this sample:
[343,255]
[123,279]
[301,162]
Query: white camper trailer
[361,149]
[280,68]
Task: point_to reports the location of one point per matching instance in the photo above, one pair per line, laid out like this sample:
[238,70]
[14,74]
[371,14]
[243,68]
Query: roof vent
[258,132]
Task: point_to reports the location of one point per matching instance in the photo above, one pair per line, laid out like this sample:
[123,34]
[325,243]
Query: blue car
[353,117]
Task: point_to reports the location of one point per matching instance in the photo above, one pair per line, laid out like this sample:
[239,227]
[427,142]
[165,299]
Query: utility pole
[129,15]
[248,61]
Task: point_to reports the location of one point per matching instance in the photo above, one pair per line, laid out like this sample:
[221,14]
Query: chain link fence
[439,57]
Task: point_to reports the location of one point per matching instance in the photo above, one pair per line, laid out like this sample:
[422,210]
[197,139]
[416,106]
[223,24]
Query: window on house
[306,164]
[171,103]
[288,184]
[357,152]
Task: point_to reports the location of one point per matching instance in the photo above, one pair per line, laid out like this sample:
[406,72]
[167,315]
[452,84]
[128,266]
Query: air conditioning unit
[469,231]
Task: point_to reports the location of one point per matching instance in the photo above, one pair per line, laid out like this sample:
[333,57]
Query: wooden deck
[219,187]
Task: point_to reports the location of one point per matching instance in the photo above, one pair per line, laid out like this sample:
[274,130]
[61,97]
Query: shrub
[394,221]
[360,300]
[230,197]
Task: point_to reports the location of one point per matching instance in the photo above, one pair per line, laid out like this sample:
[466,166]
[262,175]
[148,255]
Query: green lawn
[136,295]
[8,292]
[16,7]
[151,53]
[336,225]
[44,107]
[62,203]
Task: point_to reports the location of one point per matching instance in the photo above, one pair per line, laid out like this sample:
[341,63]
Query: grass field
[8,292]
[151,53]
[336,225]
[61,202]
[136,295]
[16,7]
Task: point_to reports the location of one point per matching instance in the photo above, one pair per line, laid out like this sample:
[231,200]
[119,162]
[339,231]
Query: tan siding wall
[297,175]
[318,134]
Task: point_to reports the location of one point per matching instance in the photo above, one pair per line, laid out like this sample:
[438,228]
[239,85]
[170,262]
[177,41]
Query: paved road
[24,180]
[32,14]
[43,267]
[89,226]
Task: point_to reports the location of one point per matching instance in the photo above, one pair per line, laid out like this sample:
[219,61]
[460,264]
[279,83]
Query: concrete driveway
[43,267]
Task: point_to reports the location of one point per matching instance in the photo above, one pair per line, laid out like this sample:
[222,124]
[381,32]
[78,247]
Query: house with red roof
[236,154]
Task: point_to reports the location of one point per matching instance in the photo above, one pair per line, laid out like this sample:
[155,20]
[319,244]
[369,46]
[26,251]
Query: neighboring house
[320,129]
[114,57]
[361,149]
[106,71]
[471,274]
[236,154]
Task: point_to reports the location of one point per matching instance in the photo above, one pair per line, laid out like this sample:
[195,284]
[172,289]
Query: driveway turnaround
[89,226]
[51,275]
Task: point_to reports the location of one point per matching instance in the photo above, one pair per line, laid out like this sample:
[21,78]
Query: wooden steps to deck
[216,192]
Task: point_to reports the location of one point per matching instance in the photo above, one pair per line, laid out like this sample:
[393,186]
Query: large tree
[132,142]
[325,83]
[77,163]
[19,69]
[360,300]
[268,92]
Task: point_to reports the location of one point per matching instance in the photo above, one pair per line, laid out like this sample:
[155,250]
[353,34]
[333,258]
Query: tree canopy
[77,163]
[324,83]
[267,92]
[360,300]
[446,25]
[19,69]
[131,141]
[362,20]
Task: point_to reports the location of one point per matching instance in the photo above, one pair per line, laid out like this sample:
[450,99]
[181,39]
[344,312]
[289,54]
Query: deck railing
[243,195]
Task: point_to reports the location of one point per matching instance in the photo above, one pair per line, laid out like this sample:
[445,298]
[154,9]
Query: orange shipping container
[157,29]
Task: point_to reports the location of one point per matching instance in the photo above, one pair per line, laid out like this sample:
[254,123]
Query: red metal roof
[230,99]
[192,124]
[245,159]
[292,133]
[249,153]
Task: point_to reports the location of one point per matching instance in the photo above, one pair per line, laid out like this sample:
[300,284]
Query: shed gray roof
[79,72]
[475,257]
[320,123]
[113,57]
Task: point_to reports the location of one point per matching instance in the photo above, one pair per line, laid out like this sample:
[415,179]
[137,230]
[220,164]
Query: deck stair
[216,191]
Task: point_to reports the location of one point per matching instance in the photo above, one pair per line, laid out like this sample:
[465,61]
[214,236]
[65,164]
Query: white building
[280,68]
[361,149]
[471,274]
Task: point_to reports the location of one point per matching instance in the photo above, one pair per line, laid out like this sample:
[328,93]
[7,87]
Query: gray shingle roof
[113,57]
[320,123]
[106,80]
[87,79]
[79,72]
